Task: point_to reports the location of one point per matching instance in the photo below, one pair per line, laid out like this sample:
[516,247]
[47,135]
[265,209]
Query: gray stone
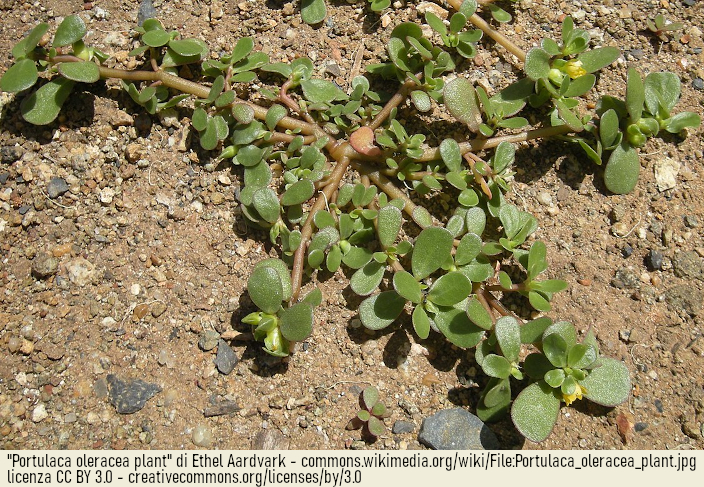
[685,299]
[8,155]
[401,427]
[225,360]
[654,260]
[80,271]
[130,396]
[208,340]
[44,265]
[626,278]
[688,265]
[456,429]
[56,187]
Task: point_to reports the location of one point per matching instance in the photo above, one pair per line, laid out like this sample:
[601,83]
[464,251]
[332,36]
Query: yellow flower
[579,391]
[574,68]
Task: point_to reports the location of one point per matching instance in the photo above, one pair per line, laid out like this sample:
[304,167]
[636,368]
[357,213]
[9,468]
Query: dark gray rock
[225,360]
[688,265]
[626,278]
[654,260]
[130,396]
[56,187]
[401,427]
[8,155]
[44,265]
[457,429]
[146,11]
[698,84]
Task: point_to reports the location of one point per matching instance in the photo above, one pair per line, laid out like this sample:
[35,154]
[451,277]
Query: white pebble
[202,436]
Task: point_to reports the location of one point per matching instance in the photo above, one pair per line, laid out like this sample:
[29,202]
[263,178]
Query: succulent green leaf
[450,289]
[365,280]
[549,286]
[499,14]
[508,334]
[609,384]
[313,298]
[468,197]
[596,59]
[622,169]
[296,322]
[495,400]
[364,415]
[186,47]
[421,322]
[581,356]
[321,91]
[72,29]
[451,154]
[284,274]
[635,95]
[274,115]
[536,365]
[455,225]
[535,410]
[468,249]
[537,64]
[370,396]
[242,112]
[565,330]
[83,71]
[22,75]
[532,331]
[266,203]
[478,314]
[30,41]
[407,286]
[257,176]
[253,61]
[250,155]
[496,366]
[475,221]
[479,270]
[662,90]
[376,426]
[43,106]
[265,289]
[536,259]
[313,11]
[555,349]
[298,193]
[608,128]
[421,101]
[555,377]
[357,257]
[379,311]
[568,116]
[681,121]
[580,86]
[457,328]
[156,38]
[422,217]
[389,224]
[435,23]
[461,100]
[431,250]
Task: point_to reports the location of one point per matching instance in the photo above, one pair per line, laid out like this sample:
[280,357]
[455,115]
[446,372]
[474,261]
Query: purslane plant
[339,179]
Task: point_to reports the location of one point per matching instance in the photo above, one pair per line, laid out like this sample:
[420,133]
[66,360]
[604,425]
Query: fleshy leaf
[30,41]
[478,314]
[379,311]
[72,29]
[595,59]
[84,71]
[451,155]
[431,250]
[376,427]
[370,396]
[421,322]
[622,170]
[455,325]
[22,75]
[298,193]
[508,334]
[536,365]
[284,274]
[368,278]
[535,410]
[532,331]
[537,64]
[461,100]
[496,366]
[608,384]
[450,289]
[43,106]
[296,322]
[266,203]
[407,286]
[313,11]
[495,400]
[389,224]
[321,91]
[265,289]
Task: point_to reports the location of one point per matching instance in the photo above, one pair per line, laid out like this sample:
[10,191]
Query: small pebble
[544,198]
[56,187]
[39,413]
[202,436]
[619,229]
[654,260]
[208,340]
[698,84]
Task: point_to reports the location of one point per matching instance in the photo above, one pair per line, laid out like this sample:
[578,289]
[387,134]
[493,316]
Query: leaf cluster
[371,416]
